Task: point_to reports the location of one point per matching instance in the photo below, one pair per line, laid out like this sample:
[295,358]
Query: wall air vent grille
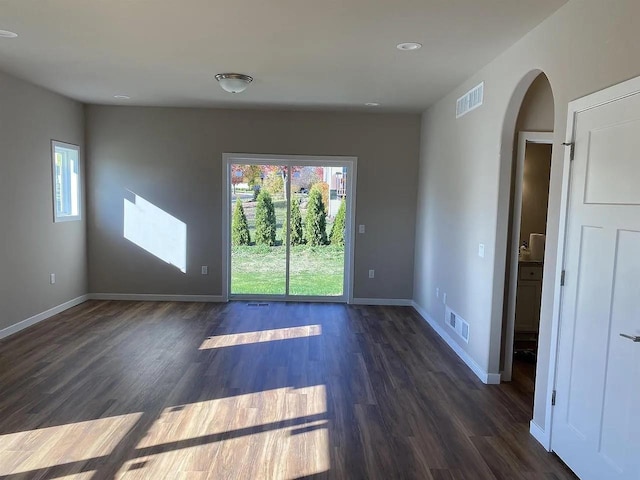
[457,324]
[465,331]
[470,100]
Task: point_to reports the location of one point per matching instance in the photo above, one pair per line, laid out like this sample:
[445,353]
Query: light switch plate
[481,250]
[361,229]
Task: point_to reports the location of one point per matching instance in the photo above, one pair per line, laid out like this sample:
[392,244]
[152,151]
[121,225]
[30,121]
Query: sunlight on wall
[155,231]
[261,336]
[81,440]
[279,433]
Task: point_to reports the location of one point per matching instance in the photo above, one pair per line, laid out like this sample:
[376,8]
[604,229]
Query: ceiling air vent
[470,100]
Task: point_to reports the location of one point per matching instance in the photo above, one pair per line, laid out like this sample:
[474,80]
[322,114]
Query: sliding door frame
[351,163]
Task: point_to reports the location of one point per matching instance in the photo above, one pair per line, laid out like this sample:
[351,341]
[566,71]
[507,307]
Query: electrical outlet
[52,278]
[361,229]
[444,298]
[372,273]
[205,270]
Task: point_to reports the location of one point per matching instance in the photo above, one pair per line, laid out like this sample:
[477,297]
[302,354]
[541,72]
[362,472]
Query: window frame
[70,146]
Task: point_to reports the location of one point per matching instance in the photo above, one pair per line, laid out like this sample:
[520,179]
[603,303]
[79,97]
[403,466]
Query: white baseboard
[485,377]
[540,435]
[152,297]
[16,327]
[398,302]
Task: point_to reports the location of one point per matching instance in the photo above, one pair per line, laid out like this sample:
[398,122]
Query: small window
[66,181]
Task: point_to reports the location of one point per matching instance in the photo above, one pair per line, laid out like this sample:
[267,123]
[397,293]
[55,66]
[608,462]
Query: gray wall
[463,193]
[31,245]
[537,109]
[173,158]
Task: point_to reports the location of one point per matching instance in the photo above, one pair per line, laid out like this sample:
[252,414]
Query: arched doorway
[523,204]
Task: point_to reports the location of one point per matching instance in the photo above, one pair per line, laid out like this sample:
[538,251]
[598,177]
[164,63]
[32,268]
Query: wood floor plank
[152,390]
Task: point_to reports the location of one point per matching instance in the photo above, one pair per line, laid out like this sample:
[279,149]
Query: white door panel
[622,394]
[596,426]
[614,185]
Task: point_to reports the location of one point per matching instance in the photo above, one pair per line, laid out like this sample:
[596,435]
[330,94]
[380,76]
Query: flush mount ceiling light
[122,97]
[408,46]
[234,82]
[7,34]
[372,104]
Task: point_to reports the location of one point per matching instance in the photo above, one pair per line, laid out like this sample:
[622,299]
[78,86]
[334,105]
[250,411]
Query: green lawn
[258,269]
[261,270]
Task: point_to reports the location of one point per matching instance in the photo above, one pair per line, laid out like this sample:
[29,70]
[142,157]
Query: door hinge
[562,276]
[553,398]
[572,145]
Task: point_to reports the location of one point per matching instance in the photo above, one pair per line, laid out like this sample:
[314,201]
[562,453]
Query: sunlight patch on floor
[261,336]
[275,434]
[283,454]
[77,476]
[31,450]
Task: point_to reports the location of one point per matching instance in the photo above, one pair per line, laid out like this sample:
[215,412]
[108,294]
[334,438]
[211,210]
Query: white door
[596,421]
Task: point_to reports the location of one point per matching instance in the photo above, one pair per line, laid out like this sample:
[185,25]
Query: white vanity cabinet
[528,296]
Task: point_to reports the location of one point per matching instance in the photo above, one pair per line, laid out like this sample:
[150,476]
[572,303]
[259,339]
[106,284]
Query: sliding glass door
[258,230]
[289,227]
[317,247]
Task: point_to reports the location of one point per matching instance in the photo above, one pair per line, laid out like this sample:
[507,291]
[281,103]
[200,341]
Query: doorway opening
[528,125]
[289,223]
[526,262]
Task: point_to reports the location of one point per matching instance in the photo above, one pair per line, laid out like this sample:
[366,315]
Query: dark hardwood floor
[523,376]
[224,391]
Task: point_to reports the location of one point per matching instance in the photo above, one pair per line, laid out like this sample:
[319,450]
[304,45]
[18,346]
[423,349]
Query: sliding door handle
[633,338]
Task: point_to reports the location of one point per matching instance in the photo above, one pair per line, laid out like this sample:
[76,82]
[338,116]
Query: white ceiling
[327,54]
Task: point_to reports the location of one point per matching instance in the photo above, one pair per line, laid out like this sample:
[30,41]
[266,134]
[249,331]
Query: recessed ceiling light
[372,104]
[7,34]
[122,97]
[408,46]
